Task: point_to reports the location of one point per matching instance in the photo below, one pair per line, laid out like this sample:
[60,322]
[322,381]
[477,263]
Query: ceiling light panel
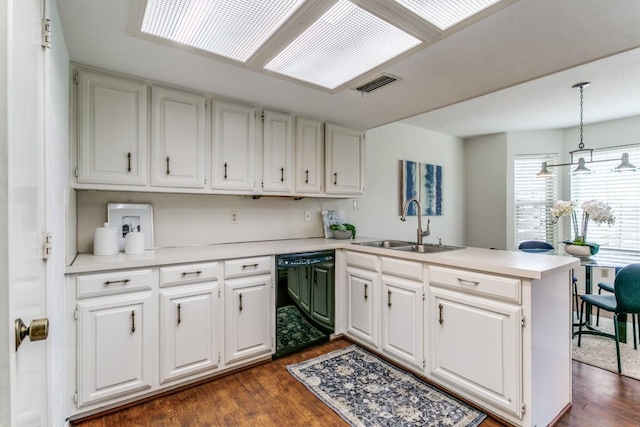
[232,28]
[445,13]
[344,43]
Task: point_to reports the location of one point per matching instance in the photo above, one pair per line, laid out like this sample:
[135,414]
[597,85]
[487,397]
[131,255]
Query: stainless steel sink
[389,244]
[426,248]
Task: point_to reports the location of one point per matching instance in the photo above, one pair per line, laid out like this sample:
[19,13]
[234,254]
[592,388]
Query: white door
[23,401]
[344,157]
[309,156]
[361,306]
[277,169]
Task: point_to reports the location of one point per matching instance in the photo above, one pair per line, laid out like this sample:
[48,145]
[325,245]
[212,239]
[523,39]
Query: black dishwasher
[305,300]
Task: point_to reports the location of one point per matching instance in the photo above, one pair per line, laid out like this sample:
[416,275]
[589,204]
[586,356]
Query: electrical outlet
[604,272]
[355,205]
[307,216]
[233,217]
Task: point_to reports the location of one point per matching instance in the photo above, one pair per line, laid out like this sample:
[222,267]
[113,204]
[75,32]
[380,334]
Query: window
[621,190]
[533,199]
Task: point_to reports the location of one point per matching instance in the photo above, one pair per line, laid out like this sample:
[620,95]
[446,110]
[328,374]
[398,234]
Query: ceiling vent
[377,83]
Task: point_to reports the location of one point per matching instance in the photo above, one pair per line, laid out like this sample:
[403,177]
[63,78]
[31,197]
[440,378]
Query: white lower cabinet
[188,330]
[249,311]
[402,320]
[362,305]
[476,346]
[114,343]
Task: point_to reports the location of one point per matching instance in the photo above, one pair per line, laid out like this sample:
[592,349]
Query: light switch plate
[307,216]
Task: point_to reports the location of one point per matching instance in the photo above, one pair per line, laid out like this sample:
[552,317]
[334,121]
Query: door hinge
[46,33]
[47,248]
[75,314]
[75,171]
[75,397]
[523,321]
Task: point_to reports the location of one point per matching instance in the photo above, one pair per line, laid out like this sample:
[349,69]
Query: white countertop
[511,263]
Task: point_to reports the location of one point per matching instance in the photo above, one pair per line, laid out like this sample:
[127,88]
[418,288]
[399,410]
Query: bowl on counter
[342,234]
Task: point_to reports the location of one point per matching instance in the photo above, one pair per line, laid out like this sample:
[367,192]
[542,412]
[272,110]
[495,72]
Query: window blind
[621,190]
[533,199]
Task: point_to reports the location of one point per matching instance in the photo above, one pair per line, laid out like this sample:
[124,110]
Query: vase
[578,250]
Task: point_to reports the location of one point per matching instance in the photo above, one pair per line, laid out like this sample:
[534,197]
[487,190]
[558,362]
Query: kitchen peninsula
[491,326]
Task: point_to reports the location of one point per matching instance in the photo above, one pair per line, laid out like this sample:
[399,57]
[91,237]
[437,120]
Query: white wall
[378,213]
[485,163]
[201,219]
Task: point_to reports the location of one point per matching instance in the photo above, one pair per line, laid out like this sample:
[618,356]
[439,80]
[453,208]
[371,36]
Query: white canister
[134,242]
[105,240]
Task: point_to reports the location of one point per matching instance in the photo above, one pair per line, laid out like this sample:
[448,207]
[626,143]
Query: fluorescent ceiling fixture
[232,28]
[343,44]
[445,13]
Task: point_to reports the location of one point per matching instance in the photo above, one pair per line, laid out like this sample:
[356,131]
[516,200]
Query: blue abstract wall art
[422,181]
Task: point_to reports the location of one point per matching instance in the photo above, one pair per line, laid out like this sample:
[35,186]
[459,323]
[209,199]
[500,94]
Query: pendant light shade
[581,169]
[544,171]
[625,165]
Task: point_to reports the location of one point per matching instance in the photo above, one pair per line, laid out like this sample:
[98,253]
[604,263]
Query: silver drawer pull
[113,282]
[468,282]
[186,273]
[249,266]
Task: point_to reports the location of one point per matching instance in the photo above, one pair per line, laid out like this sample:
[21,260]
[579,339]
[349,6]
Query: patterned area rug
[601,351]
[367,391]
[294,331]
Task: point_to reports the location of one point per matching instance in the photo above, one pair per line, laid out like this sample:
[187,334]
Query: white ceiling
[514,69]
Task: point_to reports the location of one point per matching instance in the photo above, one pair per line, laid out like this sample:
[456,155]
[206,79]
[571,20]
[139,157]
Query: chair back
[627,289]
[536,245]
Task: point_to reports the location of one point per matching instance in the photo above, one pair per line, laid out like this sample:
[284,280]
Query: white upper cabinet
[309,156]
[112,130]
[277,165]
[233,147]
[344,157]
[178,139]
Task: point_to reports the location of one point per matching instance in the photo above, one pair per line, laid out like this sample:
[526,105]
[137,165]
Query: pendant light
[582,153]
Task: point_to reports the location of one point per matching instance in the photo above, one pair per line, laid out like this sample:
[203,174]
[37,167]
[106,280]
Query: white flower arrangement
[593,210]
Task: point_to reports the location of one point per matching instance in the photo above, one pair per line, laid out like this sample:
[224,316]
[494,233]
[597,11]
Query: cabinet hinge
[523,321]
[76,79]
[205,182]
[46,33]
[75,314]
[206,105]
[263,117]
[219,292]
[219,358]
[424,295]
[424,363]
[75,397]
[75,171]
[47,245]
[523,407]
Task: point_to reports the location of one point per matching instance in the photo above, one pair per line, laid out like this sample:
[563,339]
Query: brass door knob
[37,330]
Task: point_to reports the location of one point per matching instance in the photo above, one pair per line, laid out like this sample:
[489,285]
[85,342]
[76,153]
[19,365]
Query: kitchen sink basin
[389,244]
[427,248]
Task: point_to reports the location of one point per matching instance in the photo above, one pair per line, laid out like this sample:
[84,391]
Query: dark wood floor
[266,395]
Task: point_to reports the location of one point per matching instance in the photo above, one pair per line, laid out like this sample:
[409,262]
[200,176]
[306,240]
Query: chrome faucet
[421,233]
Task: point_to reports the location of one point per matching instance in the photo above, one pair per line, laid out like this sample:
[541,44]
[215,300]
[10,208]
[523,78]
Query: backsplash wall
[200,219]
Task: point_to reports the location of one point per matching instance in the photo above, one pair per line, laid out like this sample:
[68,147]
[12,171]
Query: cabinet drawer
[113,283]
[505,288]
[188,273]
[402,268]
[247,267]
[366,261]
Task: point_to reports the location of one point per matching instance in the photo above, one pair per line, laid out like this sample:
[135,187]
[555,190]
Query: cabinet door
[188,330]
[323,295]
[112,130]
[362,291]
[344,156]
[177,139]
[309,156]
[249,318]
[114,348]
[233,147]
[277,165]
[466,328]
[402,319]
